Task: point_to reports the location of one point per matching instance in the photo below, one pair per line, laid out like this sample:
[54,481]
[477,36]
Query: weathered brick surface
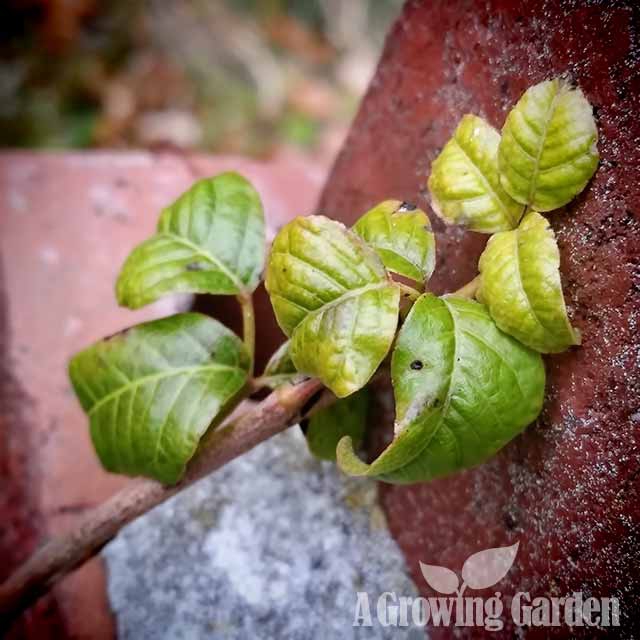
[569,489]
[67,221]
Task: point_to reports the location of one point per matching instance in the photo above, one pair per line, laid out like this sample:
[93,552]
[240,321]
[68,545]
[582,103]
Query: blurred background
[254,77]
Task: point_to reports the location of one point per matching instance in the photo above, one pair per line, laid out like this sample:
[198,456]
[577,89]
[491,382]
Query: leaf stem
[260,382]
[57,557]
[470,289]
[409,293]
[525,210]
[248,327]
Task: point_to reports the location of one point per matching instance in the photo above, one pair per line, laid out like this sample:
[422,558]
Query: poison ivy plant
[465,184]
[402,237]
[548,149]
[210,240]
[332,295]
[466,377]
[520,283]
[463,389]
[152,391]
[347,417]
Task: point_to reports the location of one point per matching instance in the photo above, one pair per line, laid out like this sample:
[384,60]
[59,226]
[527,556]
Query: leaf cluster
[467,374]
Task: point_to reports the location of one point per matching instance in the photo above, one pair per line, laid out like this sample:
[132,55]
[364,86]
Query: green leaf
[346,417]
[152,391]
[548,150]
[463,389]
[520,283]
[280,368]
[402,237]
[210,240]
[465,185]
[332,295]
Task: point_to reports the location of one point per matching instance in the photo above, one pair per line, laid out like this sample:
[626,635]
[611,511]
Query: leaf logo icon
[485,568]
[440,578]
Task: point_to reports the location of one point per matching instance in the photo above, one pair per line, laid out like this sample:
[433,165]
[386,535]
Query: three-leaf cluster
[467,375]
[151,392]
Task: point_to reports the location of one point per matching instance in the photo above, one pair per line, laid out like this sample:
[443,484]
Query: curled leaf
[520,283]
[441,579]
[345,417]
[280,362]
[280,368]
[153,390]
[548,149]
[210,240]
[465,185]
[486,568]
[331,294]
[402,237]
[463,389]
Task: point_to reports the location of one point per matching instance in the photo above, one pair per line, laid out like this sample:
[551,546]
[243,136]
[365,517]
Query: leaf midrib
[347,295]
[487,184]
[404,259]
[536,167]
[447,402]
[378,242]
[159,376]
[516,249]
[216,261]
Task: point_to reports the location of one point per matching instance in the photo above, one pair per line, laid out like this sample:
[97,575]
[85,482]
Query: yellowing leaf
[520,284]
[548,149]
[465,185]
[347,416]
[402,237]
[331,294]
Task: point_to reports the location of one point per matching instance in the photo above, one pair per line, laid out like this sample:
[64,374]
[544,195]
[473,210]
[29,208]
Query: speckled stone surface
[275,545]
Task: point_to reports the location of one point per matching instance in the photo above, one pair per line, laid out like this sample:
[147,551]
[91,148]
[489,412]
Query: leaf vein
[496,197]
[187,378]
[315,269]
[200,251]
[159,376]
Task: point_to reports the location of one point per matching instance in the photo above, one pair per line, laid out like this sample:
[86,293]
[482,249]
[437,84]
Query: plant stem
[248,327]
[470,289]
[58,556]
